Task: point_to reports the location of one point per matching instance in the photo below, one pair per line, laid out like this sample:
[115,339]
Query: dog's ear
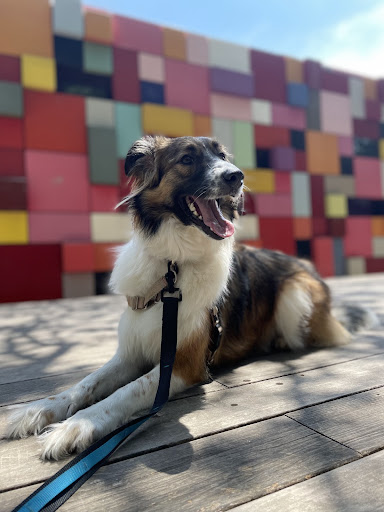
[140,165]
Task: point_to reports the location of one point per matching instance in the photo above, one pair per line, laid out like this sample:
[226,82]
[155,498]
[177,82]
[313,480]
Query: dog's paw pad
[62,439]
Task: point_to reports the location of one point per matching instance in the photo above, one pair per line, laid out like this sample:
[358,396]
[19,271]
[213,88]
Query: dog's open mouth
[207,215]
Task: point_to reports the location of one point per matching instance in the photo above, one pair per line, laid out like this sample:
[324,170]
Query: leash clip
[171,292]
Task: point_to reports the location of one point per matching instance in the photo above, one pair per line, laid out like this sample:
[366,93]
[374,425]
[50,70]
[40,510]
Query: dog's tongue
[213,218]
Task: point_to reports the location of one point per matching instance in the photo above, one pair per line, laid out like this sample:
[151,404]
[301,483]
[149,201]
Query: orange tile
[322,153]
[98,26]
[377,226]
[25,27]
[202,126]
[104,257]
[253,243]
[174,44]
[302,228]
[293,70]
[370,89]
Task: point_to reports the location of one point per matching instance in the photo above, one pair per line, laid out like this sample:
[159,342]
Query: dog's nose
[233,177]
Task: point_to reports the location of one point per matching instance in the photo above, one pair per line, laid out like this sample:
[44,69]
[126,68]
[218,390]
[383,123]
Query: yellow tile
[13,227]
[261,180]
[38,73]
[336,206]
[381,149]
[162,120]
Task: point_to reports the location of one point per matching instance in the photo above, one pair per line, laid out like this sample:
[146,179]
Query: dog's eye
[222,156]
[187,160]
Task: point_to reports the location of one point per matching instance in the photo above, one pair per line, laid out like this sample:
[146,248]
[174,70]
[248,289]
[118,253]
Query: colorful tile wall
[81,85]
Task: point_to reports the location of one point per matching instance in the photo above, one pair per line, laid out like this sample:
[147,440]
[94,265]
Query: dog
[186,196]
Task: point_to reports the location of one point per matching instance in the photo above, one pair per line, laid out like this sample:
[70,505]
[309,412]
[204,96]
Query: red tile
[55,122]
[323,256]
[358,236]
[367,172]
[375,264]
[187,86]
[269,72]
[366,128]
[11,133]
[104,198]
[77,258]
[277,233]
[312,74]
[249,202]
[282,182]
[253,243]
[125,79]
[332,80]
[57,182]
[301,160]
[272,205]
[319,226]
[9,68]
[30,272]
[271,136]
[137,35]
[13,193]
[11,162]
[104,256]
[59,227]
[336,227]
[373,110]
[317,196]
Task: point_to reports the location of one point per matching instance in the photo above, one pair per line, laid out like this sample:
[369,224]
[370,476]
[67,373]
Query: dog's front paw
[73,435]
[25,420]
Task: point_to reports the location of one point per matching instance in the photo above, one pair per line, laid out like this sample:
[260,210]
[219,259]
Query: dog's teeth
[200,217]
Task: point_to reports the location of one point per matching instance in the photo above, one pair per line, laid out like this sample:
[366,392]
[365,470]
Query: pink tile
[368,178]
[104,198]
[137,35]
[187,86]
[151,68]
[58,227]
[274,205]
[197,49]
[346,146]
[373,109]
[57,182]
[291,117]
[358,236]
[335,113]
[282,182]
[231,107]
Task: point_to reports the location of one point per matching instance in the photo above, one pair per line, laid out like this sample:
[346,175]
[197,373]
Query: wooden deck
[287,432]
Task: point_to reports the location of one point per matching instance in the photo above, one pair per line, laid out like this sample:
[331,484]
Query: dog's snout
[233,177]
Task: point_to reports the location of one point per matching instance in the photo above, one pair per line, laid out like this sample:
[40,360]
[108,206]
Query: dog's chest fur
[204,267]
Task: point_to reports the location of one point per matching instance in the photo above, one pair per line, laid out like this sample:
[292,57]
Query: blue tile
[74,81]
[346,164]
[366,147]
[303,249]
[69,52]
[152,92]
[382,130]
[338,256]
[298,140]
[298,95]
[359,206]
[378,207]
[263,158]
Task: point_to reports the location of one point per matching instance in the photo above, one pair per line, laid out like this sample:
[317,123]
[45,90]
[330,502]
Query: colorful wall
[78,86]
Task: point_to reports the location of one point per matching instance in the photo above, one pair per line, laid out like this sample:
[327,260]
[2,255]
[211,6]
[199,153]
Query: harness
[57,489]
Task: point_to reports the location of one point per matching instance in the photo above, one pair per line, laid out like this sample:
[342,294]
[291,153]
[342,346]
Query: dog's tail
[355,318]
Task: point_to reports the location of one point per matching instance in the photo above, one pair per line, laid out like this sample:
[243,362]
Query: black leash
[57,489]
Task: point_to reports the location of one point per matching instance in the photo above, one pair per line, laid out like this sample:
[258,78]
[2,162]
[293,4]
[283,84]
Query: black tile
[74,81]
[303,249]
[366,147]
[102,280]
[152,92]
[69,52]
[382,130]
[263,158]
[359,206]
[378,207]
[298,139]
[346,165]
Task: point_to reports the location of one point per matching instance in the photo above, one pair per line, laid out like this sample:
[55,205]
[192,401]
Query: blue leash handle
[57,489]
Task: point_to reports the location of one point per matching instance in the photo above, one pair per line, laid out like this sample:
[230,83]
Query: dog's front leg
[33,417]
[88,425]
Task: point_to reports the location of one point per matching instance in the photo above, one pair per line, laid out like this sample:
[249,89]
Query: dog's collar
[153,295]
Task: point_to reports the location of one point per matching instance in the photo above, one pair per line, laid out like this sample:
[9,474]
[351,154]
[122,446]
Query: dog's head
[190,178]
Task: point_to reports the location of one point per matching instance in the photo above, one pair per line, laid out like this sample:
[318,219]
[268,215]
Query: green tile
[11,99]
[128,126]
[222,130]
[301,194]
[102,150]
[97,58]
[244,146]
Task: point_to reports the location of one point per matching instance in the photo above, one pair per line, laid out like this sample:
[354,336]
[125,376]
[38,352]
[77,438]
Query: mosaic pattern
[81,85]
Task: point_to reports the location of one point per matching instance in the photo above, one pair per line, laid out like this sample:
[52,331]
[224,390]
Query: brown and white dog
[185,198]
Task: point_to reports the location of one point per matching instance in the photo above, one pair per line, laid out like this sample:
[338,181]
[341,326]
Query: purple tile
[380,88]
[335,81]
[312,74]
[269,76]
[231,82]
[372,109]
[283,159]
[366,128]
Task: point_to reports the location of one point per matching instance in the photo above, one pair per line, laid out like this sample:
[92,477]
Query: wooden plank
[213,473]
[203,415]
[356,487]
[356,421]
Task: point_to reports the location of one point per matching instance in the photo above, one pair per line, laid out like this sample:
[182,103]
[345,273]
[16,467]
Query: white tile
[67,18]
[357,96]
[356,265]
[229,56]
[378,246]
[222,130]
[247,227]
[261,112]
[99,112]
[110,227]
